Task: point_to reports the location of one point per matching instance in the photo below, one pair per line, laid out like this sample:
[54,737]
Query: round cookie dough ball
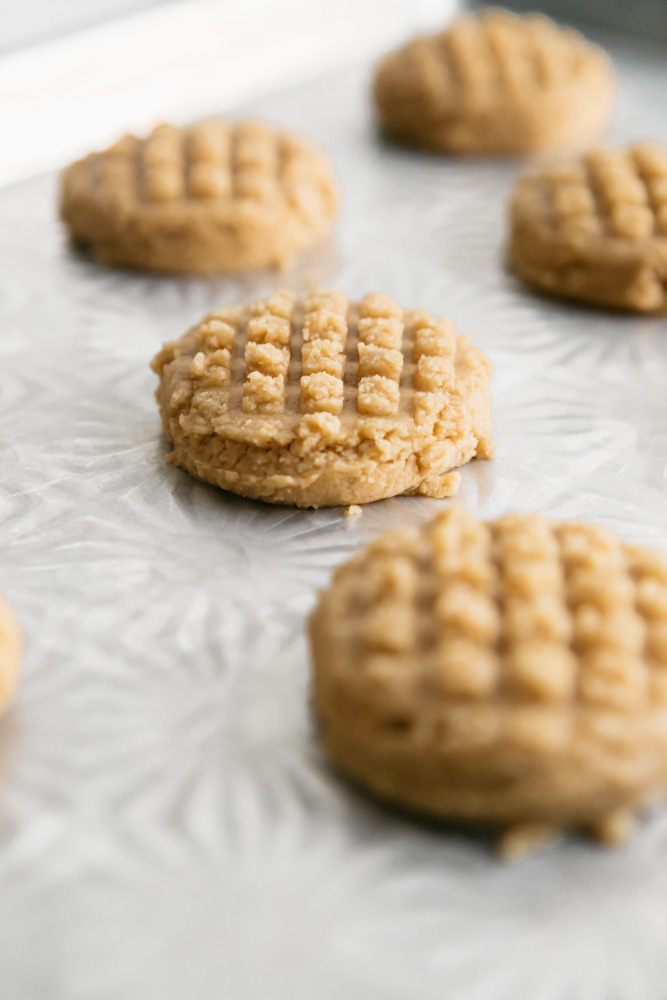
[213,197]
[511,674]
[495,83]
[594,227]
[321,401]
[10,653]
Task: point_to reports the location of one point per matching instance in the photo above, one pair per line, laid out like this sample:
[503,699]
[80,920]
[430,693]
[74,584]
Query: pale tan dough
[319,401]
[212,197]
[11,645]
[511,674]
[495,83]
[594,227]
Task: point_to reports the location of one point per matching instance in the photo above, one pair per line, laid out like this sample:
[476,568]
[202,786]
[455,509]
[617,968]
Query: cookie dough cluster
[586,226]
[509,674]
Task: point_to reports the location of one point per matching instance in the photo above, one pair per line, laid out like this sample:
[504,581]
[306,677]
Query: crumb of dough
[352,511]
[615,829]
[523,839]
[440,487]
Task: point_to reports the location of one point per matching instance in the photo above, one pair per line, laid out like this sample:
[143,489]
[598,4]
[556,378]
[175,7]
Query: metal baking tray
[169,826]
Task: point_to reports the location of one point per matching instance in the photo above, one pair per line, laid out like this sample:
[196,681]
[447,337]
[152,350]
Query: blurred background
[35,20]
[76,73]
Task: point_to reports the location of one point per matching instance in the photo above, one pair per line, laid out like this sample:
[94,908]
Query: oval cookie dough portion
[495,83]
[594,227]
[322,401]
[511,674]
[217,196]
[11,644]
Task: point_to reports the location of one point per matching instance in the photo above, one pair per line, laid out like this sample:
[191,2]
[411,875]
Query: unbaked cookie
[595,227]
[511,673]
[10,653]
[217,196]
[495,83]
[320,401]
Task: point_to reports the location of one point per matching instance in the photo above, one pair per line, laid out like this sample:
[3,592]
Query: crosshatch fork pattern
[321,354]
[497,54]
[611,193]
[518,611]
[168,824]
[212,159]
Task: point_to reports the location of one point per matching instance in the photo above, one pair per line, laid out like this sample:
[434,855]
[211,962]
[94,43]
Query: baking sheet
[169,827]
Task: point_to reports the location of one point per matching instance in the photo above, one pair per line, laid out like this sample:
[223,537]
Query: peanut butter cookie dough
[213,197]
[319,402]
[511,673]
[595,227]
[495,83]
[10,653]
